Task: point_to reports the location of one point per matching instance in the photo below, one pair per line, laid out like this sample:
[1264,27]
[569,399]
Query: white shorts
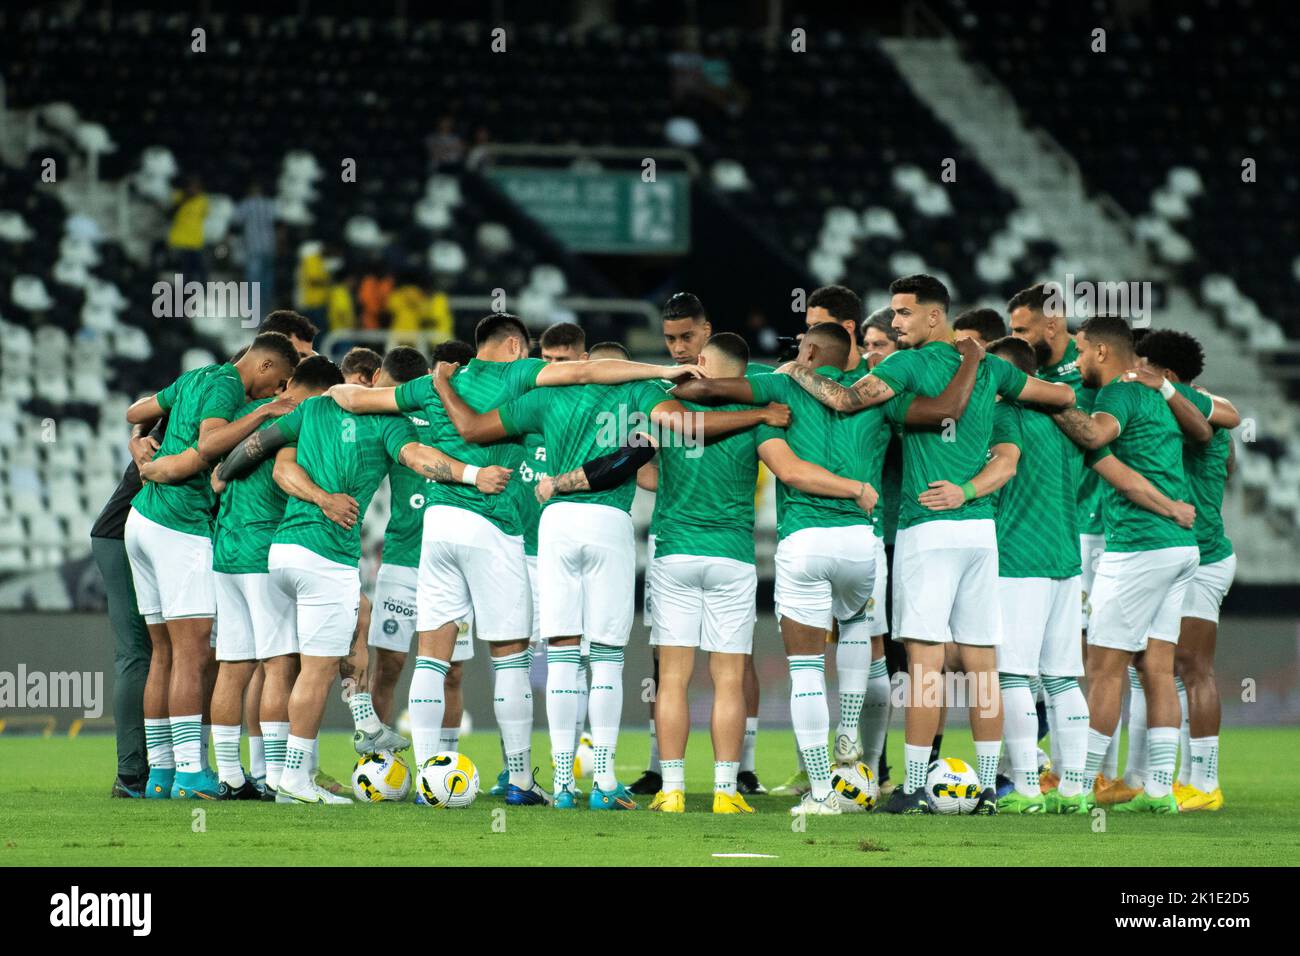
[1209,587]
[946,583]
[325,596]
[254,623]
[877,621]
[704,602]
[1040,627]
[1091,548]
[586,563]
[825,574]
[531,561]
[172,570]
[392,617]
[1138,595]
[470,568]
[647,596]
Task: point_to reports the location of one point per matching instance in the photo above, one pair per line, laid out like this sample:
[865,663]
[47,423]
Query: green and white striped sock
[916,759]
[297,765]
[512,702]
[1162,754]
[187,737]
[1205,763]
[1069,710]
[275,736]
[811,718]
[987,753]
[606,710]
[724,776]
[563,664]
[158,742]
[674,774]
[426,705]
[225,738]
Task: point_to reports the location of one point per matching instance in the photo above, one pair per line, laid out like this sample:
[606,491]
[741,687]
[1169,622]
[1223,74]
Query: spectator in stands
[360,366]
[313,282]
[341,308]
[376,286]
[446,148]
[417,305]
[185,240]
[256,214]
[983,325]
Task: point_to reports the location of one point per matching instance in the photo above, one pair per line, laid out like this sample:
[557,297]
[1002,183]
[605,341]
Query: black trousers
[131,652]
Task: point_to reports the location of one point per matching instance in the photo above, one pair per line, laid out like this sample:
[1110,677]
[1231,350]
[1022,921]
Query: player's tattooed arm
[950,404]
[811,478]
[217,436]
[714,391]
[437,466]
[864,393]
[1051,395]
[1004,458]
[1087,431]
[293,478]
[173,469]
[1134,486]
[1195,426]
[251,451]
[603,473]
[478,427]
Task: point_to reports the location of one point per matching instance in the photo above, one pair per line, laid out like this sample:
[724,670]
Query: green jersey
[955,453]
[758,368]
[1088,499]
[851,446]
[408,493]
[343,454]
[582,422]
[1151,443]
[1206,468]
[705,504]
[532,469]
[1038,536]
[484,386]
[251,509]
[213,391]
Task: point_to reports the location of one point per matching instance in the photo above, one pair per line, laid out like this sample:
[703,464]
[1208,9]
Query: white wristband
[469,475]
[1167,391]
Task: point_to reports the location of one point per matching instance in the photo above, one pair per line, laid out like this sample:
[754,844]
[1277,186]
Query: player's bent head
[269,361]
[453,350]
[984,324]
[403,364]
[501,328]
[825,344]
[315,374]
[1016,351]
[726,355]
[300,329]
[608,350]
[564,342]
[683,305]
[1109,332]
[360,365]
[1173,351]
[835,303]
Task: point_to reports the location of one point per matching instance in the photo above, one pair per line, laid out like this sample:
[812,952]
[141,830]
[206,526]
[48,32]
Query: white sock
[674,774]
[297,764]
[275,735]
[724,776]
[449,739]
[584,692]
[256,757]
[226,739]
[875,714]
[751,740]
[1135,763]
[916,760]
[1019,728]
[606,710]
[852,669]
[158,741]
[426,705]
[1184,736]
[654,765]
[1067,710]
[986,760]
[1205,763]
[204,737]
[1098,744]
[364,717]
[512,701]
[187,737]
[1162,753]
[562,678]
[811,718]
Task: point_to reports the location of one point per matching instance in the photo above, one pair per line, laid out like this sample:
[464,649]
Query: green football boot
[1145,803]
[1081,802]
[1016,802]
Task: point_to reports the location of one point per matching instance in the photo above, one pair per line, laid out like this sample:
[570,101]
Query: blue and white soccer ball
[952,786]
[448,780]
[380,777]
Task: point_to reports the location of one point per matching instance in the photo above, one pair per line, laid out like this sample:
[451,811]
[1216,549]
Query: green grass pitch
[54,810]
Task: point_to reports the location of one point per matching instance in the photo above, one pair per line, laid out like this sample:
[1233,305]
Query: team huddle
[1046,506]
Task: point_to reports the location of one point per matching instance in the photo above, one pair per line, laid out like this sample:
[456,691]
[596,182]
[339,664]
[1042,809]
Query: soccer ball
[381,776]
[584,758]
[856,790]
[448,779]
[952,786]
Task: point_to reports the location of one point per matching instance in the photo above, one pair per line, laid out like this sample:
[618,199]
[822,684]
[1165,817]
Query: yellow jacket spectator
[187,221]
[414,310]
[341,311]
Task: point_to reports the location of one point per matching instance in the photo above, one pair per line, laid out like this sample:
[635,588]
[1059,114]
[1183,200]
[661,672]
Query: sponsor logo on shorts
[390,626]
[401,610]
